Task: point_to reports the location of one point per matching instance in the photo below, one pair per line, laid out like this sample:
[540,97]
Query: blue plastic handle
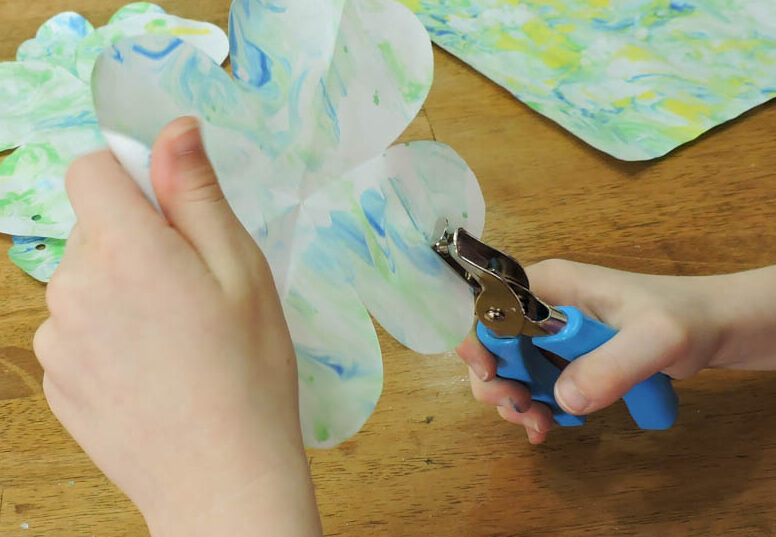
[653,404]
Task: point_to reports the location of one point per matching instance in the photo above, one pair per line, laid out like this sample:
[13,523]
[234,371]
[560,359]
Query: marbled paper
[633,78]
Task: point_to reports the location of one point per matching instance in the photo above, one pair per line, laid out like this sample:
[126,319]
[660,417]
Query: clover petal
[134,9]
[177,80]
[381,220]
[202,35]
[338,354]
[338,74]
[33,201]
[38,96]
[47,111]
[37,256]
[57,41]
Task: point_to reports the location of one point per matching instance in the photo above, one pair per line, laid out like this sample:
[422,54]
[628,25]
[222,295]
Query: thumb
[638,351]
[191,199]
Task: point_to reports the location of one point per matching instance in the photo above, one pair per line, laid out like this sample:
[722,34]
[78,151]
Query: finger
[555,280]
[103,195]
[514,404]
[638,351]
[188,192]
[592,289]
[537,421]
[477,357]
[501,392]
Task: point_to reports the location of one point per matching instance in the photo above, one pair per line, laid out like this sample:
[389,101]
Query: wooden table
[431,461]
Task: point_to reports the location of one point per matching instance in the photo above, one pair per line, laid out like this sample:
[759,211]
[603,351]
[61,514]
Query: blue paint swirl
[405,202]
[157,54]
[116,54]
[75,23]
[347,230]
[421,256]
[682,6]
[329,362]
[331,112]
[373,205]
[252,64]
[87,117]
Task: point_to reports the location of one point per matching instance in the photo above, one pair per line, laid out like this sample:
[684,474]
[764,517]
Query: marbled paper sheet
[633,78]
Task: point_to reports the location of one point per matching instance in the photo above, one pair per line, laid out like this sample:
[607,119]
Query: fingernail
[186,137]
[533,437]
[569,396]
[479,370]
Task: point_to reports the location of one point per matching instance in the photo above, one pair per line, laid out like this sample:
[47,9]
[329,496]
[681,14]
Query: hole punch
[36,218]
[40,247]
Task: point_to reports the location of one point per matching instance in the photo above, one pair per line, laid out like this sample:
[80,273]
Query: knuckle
[557,268]
[251,282]
[674,336]
[477,389]
[53,396]
[509,415]
[66,299]
[521,400]
[58,293]
[43,343]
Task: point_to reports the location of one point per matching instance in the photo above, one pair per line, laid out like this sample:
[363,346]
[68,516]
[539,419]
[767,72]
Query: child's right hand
[677,325]
[167,355]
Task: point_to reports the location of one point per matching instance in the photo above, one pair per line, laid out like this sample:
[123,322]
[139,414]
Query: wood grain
[431,461]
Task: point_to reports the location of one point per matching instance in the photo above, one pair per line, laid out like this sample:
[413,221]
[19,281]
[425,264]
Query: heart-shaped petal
[337,75]
[338,354]
[145,83]
[57,41]
[381,218]
[38,96]
[37,256]
[206,37]
[134,9]
[33,201]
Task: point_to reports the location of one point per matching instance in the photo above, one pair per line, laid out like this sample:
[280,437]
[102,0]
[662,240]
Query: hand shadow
[726,422]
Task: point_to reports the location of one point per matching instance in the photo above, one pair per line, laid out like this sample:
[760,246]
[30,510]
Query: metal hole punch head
[514,324]
[504,302]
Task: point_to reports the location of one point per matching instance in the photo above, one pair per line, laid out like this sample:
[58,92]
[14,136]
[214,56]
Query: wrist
[246,499]
[744,306]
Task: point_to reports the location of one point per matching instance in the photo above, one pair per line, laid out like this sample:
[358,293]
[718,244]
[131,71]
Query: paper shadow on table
[709,457]
[627,168]
[715,138]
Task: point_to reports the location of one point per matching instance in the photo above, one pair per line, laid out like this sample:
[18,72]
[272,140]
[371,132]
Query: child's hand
[167,356]
[677,325]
